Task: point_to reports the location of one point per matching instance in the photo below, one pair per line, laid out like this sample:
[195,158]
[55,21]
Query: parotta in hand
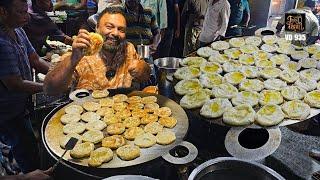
[96,44]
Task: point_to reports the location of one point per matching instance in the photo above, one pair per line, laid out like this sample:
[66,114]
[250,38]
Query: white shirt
[215,21]
[102,4]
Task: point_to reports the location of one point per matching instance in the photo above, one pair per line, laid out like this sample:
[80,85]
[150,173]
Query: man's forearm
[38,64]
[42,66]
[31,87]
[58,80]
[23,86]
[15,83]
[145,73]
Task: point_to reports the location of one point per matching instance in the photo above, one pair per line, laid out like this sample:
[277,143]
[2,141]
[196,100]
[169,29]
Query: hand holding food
[96,41]
[85,44]
[139,70]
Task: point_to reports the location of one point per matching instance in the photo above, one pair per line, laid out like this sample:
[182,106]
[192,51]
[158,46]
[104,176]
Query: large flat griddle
[196,112]
[53,132]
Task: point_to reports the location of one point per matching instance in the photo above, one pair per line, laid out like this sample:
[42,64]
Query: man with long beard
[116,65]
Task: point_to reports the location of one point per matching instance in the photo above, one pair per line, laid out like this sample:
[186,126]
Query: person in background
[173,29]
[215,22]
[92,7]
[141,25]
[78,12]
[239,17]
[311,25]
[159,9]
[192,16]
[17,58]
[102,4]
[178,43]
[40,26]
[116,65]
[63,5]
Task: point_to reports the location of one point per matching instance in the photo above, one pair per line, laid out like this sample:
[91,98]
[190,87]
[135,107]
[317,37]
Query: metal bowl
[230,168]
[168,63]
[165,67]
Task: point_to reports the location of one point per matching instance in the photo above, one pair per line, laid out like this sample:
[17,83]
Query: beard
[111,44]
[114,54]
[110,48]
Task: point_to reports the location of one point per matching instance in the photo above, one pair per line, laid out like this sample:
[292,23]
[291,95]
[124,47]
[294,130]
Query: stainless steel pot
[165,67]
[143,51]
[230,168]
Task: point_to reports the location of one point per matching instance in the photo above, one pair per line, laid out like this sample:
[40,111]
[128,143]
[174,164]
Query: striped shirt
[145,25]
[14,61]
[159,9]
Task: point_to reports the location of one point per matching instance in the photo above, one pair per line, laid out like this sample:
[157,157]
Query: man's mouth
[112,41]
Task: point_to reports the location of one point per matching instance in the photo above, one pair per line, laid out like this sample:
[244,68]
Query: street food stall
[231,98]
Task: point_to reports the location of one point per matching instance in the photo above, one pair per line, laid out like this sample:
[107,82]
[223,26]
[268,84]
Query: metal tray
[196,112]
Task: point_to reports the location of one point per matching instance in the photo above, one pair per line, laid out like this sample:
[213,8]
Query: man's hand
[38,175]
[80,43]
[139,70]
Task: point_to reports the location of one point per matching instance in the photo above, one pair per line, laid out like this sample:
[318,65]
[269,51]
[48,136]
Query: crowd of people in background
[162,24]
[182,25]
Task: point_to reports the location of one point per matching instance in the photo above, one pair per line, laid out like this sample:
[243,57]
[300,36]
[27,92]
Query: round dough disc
[128,152]
[145,140]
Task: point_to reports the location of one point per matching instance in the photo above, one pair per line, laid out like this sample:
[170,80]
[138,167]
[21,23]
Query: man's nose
[115,32]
